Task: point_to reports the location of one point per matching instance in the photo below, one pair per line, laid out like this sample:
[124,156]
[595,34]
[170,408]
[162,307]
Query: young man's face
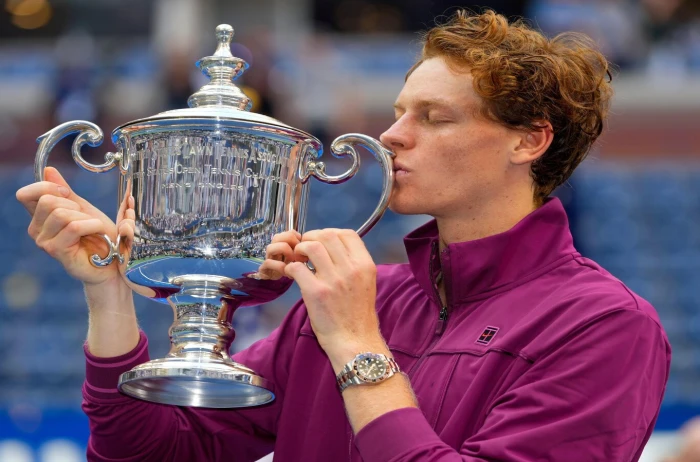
[450,159]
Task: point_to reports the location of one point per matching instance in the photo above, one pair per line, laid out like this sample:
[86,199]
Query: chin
[407,207]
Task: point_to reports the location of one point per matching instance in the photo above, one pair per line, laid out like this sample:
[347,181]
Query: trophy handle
[90,134]
[344,146]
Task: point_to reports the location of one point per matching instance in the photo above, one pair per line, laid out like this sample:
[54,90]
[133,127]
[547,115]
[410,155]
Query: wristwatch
[366,368]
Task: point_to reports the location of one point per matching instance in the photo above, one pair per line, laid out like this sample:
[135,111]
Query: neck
[491,217]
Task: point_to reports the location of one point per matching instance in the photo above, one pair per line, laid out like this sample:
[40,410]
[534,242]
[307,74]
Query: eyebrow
[427,103]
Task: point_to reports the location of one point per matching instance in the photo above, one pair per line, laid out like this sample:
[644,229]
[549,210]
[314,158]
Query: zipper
[447,276]
[444,311]
[442,316]
[442,320]
[441,323]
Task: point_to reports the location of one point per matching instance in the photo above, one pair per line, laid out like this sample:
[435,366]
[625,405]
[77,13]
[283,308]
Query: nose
[397,136]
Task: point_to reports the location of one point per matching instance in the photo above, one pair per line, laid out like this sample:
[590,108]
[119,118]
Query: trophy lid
[220,99]
[222,68]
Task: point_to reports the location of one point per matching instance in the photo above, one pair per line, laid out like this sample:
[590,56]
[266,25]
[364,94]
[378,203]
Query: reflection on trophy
[211,184]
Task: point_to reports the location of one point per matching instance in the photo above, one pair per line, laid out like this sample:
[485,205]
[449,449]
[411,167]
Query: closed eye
[434,119]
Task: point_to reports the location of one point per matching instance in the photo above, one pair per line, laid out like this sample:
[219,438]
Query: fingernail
[64,191]
[131,202]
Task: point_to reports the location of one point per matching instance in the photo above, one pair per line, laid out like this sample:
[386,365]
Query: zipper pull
[442,320]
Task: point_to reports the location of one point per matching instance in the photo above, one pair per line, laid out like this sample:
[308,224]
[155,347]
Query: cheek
[472,161]
[459,156]
[482,149]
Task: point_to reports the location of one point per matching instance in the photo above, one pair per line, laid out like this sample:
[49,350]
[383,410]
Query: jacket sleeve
[596,397]
[125,429]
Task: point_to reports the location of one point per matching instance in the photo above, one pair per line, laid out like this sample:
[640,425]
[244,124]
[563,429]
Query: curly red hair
[525,79]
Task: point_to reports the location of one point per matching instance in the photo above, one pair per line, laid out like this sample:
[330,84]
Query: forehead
[434,80]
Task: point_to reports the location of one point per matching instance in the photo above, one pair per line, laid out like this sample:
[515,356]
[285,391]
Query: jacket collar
[472,268]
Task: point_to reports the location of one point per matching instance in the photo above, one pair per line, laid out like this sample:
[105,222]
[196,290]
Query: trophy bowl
[212,184]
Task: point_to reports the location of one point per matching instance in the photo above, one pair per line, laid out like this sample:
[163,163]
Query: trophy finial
[224,35]
[222,68]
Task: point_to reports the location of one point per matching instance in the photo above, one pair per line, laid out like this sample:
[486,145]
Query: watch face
[370,367]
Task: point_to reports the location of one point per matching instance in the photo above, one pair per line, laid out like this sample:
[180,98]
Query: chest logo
[487,335]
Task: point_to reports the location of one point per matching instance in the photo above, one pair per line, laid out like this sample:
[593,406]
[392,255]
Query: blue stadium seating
[640,224]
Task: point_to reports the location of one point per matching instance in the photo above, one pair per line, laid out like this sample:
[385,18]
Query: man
[511,345]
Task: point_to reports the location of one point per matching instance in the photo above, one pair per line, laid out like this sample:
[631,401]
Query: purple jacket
[540,355]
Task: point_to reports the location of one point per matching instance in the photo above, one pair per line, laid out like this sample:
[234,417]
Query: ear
[532,144]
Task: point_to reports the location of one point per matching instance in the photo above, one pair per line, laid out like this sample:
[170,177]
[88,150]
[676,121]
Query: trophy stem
[198,370]
[203,328]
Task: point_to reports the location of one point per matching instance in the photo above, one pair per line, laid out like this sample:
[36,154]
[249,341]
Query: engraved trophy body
[211,185]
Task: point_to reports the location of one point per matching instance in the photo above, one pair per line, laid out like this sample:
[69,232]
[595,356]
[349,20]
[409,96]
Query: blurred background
[327,67]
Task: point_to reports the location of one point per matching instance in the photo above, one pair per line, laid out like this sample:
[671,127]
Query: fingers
[45,206]
[354,244]
[271,269]
[123,207]
[62,218]
[301,274]
[337,254]
[126,219]
[343,245]
[29,195]
[290,237]
[130,214]
[53,184]
[54,176]
[331,241]
[282,246]
[70,235]
[316,252]
[280,251]
[278,254]
[126,229]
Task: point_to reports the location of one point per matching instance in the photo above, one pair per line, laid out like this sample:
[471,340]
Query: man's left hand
[340,294]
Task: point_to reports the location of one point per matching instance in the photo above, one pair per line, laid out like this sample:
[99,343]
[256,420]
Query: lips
[400,168]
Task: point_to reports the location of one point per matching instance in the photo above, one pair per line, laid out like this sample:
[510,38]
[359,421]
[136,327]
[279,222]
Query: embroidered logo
[487,335]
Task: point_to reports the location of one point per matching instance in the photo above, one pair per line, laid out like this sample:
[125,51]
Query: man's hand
[67,227]
[340,299]
[278,254]
[340,294]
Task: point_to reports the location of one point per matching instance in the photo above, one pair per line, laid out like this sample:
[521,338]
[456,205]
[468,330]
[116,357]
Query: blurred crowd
[650,36]
[337,70]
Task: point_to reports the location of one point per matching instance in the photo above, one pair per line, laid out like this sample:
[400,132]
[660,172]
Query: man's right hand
[68,227]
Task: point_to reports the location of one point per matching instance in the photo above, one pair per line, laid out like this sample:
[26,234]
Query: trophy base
[190,382]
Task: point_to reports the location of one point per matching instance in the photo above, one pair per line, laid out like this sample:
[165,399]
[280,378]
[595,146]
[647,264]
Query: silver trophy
[212,184]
